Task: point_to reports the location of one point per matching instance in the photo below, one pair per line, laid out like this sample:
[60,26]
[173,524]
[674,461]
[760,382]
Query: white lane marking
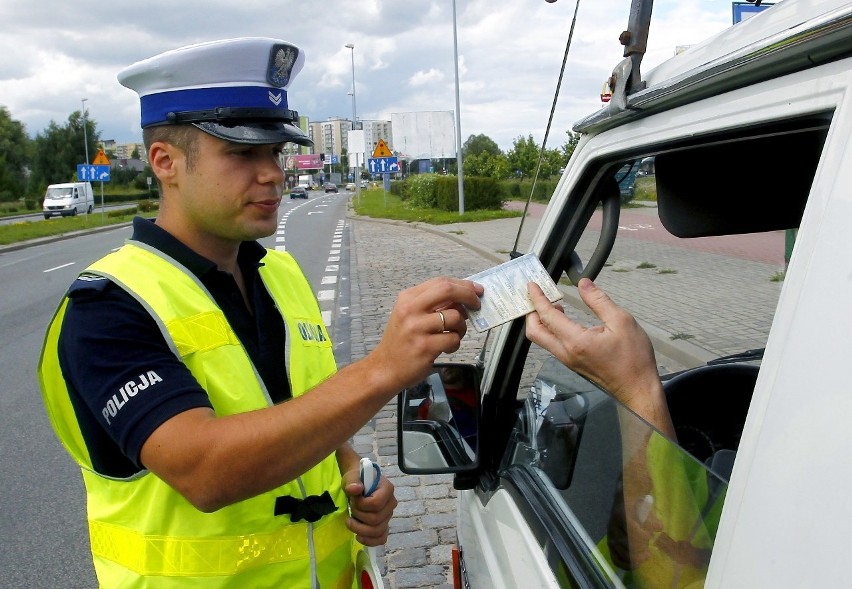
[323,295]
[58,267]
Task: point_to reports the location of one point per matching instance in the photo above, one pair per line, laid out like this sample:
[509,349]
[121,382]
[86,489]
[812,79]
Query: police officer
[190,373]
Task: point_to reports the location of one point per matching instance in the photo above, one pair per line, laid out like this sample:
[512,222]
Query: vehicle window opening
[772,175]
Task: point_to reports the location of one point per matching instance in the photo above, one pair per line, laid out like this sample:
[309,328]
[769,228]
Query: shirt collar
[146,231]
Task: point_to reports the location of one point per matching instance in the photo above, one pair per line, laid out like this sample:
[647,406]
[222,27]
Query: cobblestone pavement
[387,257]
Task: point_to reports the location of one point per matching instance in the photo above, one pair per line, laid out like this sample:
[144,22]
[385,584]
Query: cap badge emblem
[281,61]
[275,98]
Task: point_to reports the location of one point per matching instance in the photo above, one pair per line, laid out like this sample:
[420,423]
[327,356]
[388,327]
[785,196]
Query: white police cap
[233,89]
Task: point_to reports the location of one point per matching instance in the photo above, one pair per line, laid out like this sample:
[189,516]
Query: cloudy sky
[56,52]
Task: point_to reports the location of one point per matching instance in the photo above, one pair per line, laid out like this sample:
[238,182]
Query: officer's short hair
[184,137]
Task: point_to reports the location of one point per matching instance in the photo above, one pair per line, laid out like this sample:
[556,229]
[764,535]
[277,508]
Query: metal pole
[459,162]
[357,173]
[85,136]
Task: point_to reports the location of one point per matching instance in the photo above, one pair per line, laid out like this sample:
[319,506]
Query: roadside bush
[30,204]
[421,191]
[117,197]
[147,205]
[479,193]
[436,191]
[520,190]
[399,189]
[122,212]
[141,182]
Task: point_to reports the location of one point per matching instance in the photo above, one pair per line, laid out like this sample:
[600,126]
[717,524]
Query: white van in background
[68,199]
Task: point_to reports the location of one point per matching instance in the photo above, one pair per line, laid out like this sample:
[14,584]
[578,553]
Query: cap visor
[257,133]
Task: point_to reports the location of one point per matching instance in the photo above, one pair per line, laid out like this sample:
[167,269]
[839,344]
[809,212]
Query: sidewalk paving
[389,256]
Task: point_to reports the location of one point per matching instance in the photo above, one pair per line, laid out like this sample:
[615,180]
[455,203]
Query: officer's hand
[416,334]
[370,515]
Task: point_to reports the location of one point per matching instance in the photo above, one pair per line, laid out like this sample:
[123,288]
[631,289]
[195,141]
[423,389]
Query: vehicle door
[575,490]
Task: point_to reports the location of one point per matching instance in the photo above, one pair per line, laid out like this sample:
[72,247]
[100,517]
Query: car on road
[626,178]
[329,187]
[743,479]
[350,186]
[299,192]
[69,199]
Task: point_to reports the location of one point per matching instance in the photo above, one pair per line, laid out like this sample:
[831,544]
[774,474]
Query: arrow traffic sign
[92,173]
[382,165]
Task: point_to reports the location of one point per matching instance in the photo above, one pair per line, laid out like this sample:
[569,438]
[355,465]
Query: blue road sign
[382,165]
[744,10]
[92,173]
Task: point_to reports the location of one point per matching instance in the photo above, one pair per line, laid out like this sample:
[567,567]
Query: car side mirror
[438,422]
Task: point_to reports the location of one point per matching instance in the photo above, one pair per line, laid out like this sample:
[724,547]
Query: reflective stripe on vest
[220,556]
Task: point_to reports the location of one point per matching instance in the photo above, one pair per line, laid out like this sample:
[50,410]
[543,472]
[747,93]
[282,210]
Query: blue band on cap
[156,107]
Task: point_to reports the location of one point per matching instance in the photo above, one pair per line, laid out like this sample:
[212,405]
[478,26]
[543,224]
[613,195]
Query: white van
[559,485]
[68,199]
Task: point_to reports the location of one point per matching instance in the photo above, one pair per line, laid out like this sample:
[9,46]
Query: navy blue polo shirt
[110,342]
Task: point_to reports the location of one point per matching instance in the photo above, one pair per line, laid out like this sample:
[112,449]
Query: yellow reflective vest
[674,536]
[145,534]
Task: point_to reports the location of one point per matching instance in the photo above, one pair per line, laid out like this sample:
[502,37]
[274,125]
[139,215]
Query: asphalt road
[43,501]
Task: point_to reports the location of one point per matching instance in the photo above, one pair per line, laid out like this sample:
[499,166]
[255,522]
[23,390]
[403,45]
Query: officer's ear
[166,161]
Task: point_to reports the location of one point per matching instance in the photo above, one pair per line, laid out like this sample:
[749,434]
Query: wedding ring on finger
[443,322]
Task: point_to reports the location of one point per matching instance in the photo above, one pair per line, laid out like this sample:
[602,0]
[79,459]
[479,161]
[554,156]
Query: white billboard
[424,135]
[356,148]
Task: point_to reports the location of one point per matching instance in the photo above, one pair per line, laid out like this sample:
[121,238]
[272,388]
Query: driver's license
[505,297]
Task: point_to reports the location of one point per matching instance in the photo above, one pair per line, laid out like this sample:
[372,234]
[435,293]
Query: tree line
[483,157]
[27,165]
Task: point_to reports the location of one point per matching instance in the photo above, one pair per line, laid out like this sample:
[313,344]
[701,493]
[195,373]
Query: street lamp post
[351,47]
[85,136]
[459,162]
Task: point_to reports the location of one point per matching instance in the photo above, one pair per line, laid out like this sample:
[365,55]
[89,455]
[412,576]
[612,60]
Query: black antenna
[515,253]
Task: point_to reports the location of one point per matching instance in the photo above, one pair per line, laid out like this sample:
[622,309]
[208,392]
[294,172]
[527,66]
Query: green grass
[24,230]
[380,205]
[645,188]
